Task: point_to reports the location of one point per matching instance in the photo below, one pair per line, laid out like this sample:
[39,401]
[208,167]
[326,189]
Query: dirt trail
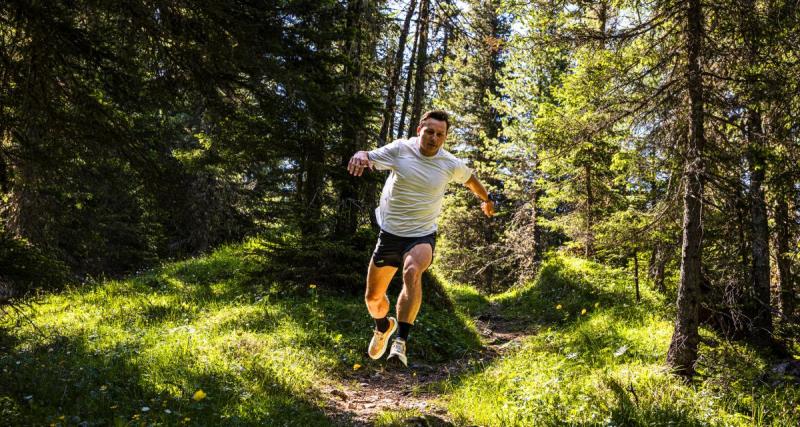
[373,389]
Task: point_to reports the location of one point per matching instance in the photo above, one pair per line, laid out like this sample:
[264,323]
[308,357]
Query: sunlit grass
[204,342]
[194,343]
[598,359]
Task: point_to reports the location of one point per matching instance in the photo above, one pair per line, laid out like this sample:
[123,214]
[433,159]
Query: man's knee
[374,299]
[412,270]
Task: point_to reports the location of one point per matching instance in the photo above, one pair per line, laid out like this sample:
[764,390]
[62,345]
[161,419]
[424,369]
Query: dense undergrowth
[210,341]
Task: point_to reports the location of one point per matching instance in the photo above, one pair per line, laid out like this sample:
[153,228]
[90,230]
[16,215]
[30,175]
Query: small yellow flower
[312,286]
[558,307]
[199,395]
[583,312]
[356,367]
[596,305]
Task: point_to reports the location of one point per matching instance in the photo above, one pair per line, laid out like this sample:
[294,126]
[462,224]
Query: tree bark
[313,179]
[352,135]
[760,312]
[589,238]
[636,275]
[409,79]
[682,353]
[391,91]
[785,276]
[422,62]
[658,261]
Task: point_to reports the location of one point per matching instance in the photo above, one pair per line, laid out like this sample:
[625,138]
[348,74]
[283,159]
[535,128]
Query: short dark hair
[440,115]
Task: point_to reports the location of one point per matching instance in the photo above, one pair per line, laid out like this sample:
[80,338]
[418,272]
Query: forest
[181,242]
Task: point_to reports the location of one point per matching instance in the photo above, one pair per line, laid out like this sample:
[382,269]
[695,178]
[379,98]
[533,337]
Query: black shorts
[391,249]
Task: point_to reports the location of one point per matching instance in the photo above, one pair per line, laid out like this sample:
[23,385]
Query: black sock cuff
[382,324]
[404,329]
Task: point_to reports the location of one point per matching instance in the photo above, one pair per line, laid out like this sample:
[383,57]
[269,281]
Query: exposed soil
[379,387]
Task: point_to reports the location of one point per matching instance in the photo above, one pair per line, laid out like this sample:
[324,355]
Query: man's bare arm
[358,163]
[487,206]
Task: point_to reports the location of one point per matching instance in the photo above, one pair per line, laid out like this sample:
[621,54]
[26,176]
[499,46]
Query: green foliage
[151,131]
[564,287]
[25,269]
[140,350]
[101,354]
[467,299]
[294,262]
[604,366]
[473,248]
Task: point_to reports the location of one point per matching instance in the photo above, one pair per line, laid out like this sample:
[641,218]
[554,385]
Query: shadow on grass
[586,308]
[560,293]
[76,377]
[628,412]
[67,381]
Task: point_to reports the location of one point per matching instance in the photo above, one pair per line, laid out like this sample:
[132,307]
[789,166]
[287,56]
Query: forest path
[379,387]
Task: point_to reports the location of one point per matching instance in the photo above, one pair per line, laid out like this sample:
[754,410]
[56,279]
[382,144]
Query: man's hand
[358,163]
[488,208]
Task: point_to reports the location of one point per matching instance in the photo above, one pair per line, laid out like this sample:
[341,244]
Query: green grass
[606,366]
[137,351]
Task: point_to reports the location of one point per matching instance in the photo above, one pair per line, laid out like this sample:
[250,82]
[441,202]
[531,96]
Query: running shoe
[398,352]
[380,340]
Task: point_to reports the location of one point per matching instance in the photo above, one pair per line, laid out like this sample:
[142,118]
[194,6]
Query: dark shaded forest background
[658,136]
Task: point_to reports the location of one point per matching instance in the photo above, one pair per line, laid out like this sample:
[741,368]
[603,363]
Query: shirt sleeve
[384,157]
[462,172]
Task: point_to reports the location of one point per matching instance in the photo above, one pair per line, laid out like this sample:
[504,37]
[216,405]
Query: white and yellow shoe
[398,352]
[380,340]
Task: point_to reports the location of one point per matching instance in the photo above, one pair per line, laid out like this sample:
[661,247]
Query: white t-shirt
[412,196]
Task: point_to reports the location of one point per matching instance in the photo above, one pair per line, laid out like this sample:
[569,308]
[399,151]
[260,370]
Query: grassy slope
[136,351]
[606,366]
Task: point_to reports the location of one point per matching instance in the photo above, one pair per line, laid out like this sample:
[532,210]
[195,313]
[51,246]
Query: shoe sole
[395,361]
[389,333]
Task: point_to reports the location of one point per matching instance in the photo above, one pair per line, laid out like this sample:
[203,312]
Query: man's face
[432,134]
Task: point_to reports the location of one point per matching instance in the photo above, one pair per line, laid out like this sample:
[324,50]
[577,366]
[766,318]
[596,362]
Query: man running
[410,204]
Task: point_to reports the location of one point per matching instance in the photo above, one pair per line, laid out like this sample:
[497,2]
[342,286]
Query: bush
[25,269]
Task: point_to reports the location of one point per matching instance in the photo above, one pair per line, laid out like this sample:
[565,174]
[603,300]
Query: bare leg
[378,279]
[417,260]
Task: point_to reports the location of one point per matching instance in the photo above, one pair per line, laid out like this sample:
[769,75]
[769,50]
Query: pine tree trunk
[761,313]
[391,91]
[4,172]
[782,236]
[422,62]
[352,135]
[409,78]
[312,178]
[682,353]
[538,238]
[658,261]
[636,275]
[589,238]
